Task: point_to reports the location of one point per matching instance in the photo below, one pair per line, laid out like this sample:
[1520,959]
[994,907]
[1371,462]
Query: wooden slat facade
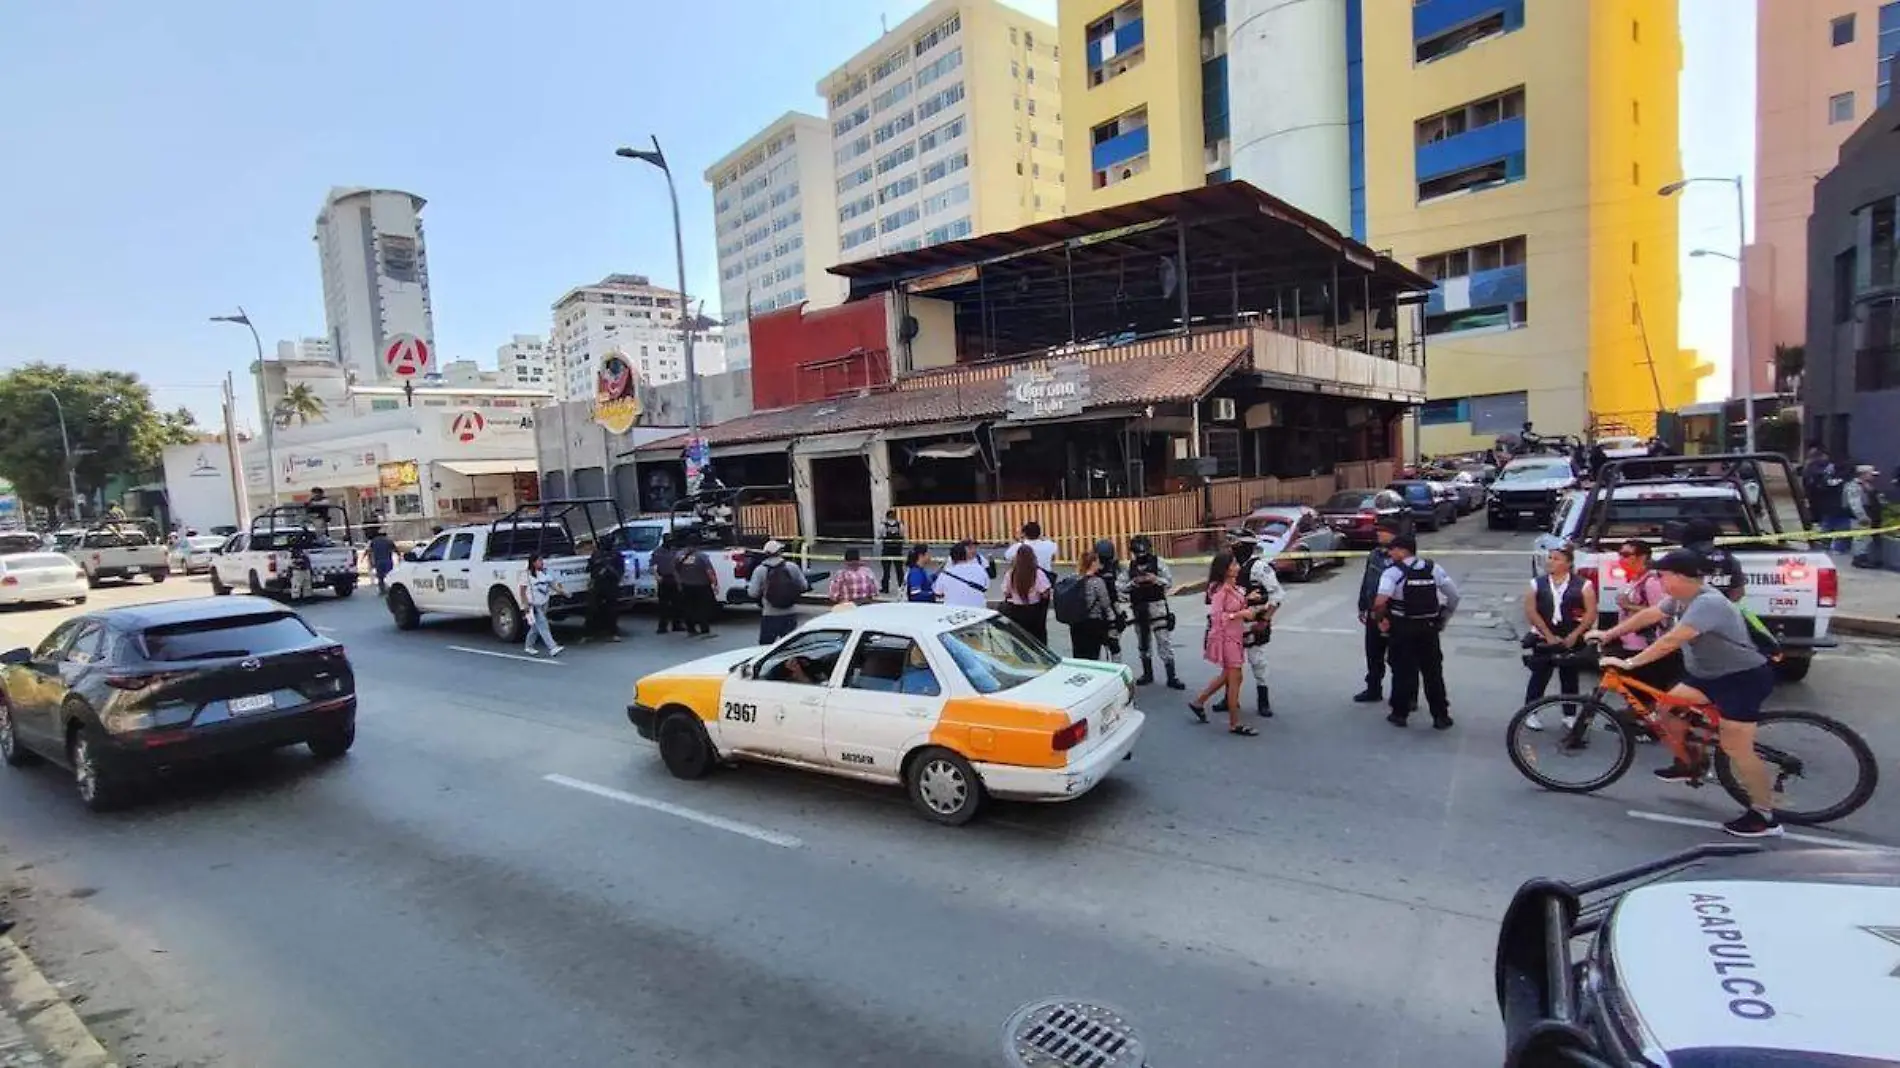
[776,518]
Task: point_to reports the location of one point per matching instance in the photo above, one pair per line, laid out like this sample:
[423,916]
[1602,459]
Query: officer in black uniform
[1416,598]
[1377,561]
[1111,567]
[1145,584]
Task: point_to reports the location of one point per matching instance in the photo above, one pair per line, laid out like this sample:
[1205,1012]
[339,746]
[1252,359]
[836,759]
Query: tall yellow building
[1514,152]
[948,125]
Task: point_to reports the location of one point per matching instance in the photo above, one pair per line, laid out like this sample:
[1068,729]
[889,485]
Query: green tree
[110,420]
[301,404]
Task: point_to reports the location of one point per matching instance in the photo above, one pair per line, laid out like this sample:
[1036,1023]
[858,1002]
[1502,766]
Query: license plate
[132,570]
[1111,718]
[256,703]
[1526,512]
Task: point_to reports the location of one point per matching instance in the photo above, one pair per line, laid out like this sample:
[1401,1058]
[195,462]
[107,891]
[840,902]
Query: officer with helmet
[1264,595]
[1416,598]
[1111,567]
[1145,585]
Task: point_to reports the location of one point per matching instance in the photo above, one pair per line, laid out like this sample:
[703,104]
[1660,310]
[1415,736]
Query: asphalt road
[501,873]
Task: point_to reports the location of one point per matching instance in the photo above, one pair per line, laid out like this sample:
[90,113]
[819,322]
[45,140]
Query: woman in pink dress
[1226,625]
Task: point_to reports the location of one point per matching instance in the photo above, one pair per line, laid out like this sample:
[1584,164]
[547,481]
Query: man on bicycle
[1724,670]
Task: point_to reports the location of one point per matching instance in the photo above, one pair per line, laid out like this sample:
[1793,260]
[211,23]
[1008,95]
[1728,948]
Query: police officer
[1264,595]
[1111,567]
[1416,598]
[1145,585]
[1377,561]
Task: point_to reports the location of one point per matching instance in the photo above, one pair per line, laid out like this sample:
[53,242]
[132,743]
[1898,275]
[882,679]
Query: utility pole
[240,490]
[66,447]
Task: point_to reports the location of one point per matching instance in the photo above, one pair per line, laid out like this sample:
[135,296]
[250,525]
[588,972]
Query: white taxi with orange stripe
[957,704]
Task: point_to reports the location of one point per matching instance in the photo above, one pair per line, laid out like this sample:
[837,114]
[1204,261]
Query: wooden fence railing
[778,519]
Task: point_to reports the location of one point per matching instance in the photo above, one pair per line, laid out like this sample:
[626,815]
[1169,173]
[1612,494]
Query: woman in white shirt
[963,581]
[1560,607]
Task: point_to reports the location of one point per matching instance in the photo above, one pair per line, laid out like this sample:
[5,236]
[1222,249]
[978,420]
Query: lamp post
[263,407]
[658,159]
[1741,281]
[66,447]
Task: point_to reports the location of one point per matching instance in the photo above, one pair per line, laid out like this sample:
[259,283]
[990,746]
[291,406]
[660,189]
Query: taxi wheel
[944,787]
[684,747]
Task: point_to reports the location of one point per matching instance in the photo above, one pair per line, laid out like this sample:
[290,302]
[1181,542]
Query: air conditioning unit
[1221,409]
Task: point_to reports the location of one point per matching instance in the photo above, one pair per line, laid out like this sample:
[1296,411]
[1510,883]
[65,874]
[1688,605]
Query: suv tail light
[271,564]
[1071,736]
[1830,583]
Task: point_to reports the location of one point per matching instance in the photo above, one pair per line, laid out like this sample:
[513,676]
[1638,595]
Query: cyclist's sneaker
[1676,772]
[1534,721]
[1752,824]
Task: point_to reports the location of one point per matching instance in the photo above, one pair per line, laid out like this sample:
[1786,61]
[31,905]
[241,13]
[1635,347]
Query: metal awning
[488,467]
[846,444]
[931,430]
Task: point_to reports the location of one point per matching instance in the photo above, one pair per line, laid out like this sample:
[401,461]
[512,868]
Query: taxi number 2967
[742,713]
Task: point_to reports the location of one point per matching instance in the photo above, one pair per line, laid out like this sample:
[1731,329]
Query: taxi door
[777,707]
[888,694]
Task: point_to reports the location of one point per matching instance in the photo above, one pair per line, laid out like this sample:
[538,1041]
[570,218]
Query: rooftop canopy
[1209,256]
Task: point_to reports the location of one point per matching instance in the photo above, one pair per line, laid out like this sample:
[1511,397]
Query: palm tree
[300,403]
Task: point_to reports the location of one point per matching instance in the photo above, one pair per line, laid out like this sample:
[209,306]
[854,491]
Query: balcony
[1119,148]
[1329,369]
[1479,289]
[1126,38]
[1436,18]
[1496,143]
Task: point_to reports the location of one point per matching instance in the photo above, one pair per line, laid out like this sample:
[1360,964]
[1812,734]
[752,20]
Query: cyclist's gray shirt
[1721,645]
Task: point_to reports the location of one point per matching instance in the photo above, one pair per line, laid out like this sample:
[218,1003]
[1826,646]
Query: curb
[1865,626]
[49,1021]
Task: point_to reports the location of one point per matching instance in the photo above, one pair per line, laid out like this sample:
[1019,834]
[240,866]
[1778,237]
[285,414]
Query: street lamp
[1741,281]
[658,159]
[66,446]
[263,406]
[1701,252]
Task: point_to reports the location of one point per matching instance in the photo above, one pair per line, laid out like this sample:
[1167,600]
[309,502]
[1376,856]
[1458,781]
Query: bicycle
[1591,727]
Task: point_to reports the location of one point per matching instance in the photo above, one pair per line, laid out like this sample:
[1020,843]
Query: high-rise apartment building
[628,314]
[1514,152]
[309,348]
[523,362]
[375,275]
[1821,68]
[948,125]
[1163,95]
[775,211]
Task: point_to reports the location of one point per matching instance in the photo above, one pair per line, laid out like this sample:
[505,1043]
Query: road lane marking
[759,834]
[1838,843]
[507,656]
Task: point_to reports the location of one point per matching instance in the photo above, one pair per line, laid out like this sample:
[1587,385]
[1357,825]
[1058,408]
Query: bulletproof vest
[1570,612]
[1418,591]
[1145,565]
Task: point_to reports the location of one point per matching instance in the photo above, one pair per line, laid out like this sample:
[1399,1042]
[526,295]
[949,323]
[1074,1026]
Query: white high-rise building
[309,348]
[523,362]
[629,314]
[375,276]
[775,211]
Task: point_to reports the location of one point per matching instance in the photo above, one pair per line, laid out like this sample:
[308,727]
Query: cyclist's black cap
[1681,562]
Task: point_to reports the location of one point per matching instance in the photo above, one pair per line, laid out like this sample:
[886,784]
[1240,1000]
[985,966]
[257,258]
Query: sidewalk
[37,1026]
[1870,602]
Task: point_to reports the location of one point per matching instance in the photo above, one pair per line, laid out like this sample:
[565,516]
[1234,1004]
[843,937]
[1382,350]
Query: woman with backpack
[1560,606]
[1026,593]
[1227,622]
[1093,613]
[920,586]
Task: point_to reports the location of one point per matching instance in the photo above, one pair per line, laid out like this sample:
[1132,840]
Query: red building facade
[800,355]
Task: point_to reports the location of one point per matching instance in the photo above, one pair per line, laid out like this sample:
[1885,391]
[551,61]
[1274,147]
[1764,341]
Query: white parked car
[41,578]
[958,705]
[194,552]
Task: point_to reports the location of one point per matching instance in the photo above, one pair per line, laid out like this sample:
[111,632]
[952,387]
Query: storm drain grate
[1067,1033]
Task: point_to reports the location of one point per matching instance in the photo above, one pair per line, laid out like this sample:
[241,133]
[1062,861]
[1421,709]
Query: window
[229,636]
[804,659]
[1030,106]
[1508,17]
[1636,31]
[886,663]
[1479,287]
[1636,112]
[944,31]
[48,651]
[898,220]
[1636,173]
[995,654]
[1636,253]
[1845,264]
[1840,108]
[939,67]
[902,187]
[462,547]
[1029,40]
[436,550]
[891,96]
[933,104]
[1841,30]
[942,135]
[1474,146]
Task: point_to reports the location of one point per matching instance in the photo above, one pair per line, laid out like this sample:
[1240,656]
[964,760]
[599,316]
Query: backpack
[1764,639]
[1072,601]
[781,588]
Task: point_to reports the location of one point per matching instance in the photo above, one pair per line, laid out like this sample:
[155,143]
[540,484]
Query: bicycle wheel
[1577,757]
[1821,769]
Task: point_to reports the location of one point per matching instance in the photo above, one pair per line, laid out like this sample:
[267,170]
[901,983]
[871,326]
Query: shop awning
[488,467]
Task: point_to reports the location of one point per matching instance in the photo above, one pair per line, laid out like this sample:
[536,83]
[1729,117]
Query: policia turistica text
[1145,585]
[1415,600]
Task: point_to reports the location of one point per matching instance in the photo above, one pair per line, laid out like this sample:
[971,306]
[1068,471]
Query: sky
[165,162]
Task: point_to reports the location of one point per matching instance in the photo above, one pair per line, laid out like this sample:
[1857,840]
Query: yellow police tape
[1339,554]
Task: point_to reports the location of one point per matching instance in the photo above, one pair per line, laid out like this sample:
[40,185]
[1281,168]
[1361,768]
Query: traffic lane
[459,876]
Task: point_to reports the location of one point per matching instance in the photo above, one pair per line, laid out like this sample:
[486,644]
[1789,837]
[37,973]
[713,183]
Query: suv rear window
[211,639]
[1345,501]
[512,542]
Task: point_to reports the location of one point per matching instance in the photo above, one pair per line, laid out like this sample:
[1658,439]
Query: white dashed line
[759,834]
[550,661]
[1813,839]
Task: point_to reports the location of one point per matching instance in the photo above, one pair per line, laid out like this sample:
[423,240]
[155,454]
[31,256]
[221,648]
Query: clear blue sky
[165,162]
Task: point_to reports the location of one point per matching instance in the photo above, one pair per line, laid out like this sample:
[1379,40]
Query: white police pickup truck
[1793,589]
[289,551]
[639,537]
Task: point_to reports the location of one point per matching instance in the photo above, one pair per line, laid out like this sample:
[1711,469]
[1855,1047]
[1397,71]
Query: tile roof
[1153,379]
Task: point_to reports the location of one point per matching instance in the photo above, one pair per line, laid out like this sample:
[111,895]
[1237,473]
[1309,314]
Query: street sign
[406,356]
[1052,391]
